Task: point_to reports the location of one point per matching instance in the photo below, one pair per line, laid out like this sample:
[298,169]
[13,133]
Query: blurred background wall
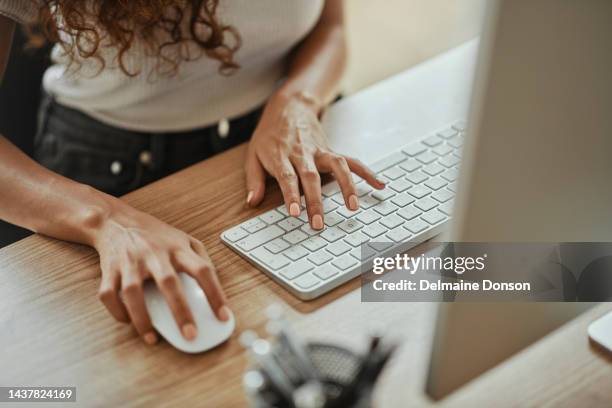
[385,38]
[389,36]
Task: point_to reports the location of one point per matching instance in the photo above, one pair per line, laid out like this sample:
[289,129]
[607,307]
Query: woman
[140,89]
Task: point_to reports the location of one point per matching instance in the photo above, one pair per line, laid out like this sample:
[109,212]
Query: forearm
[44,202]
[317,66]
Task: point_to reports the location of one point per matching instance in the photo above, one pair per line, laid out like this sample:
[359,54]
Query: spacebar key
[389,161]
[260,237]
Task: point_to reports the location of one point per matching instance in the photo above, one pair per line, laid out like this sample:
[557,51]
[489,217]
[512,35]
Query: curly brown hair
[167,28]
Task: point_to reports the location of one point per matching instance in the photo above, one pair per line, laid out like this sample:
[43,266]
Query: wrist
[307,99]
[95,217]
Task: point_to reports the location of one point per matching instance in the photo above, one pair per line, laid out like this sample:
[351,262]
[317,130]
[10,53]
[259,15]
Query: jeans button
[223,128]
[116,167]
[146,158]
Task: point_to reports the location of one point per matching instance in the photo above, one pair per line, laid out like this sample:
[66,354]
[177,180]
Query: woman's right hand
[133,247]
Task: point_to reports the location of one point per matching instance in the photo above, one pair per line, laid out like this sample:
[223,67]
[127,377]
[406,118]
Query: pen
[260,350]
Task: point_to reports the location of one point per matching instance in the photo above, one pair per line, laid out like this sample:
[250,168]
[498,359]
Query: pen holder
[337,367]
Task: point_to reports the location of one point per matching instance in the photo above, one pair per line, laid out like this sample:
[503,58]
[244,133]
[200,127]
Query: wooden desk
[53,330]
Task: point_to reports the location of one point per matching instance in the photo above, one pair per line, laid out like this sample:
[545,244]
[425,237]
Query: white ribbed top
[197,95]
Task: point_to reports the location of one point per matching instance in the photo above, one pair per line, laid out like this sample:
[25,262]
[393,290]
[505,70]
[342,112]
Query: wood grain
[53,330]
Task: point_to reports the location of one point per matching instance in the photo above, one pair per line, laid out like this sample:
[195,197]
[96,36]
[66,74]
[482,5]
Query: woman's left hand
[290,145]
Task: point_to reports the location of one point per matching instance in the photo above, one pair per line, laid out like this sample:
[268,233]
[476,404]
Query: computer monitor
[536,167]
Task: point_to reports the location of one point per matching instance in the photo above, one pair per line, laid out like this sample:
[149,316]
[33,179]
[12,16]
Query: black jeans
[118,161]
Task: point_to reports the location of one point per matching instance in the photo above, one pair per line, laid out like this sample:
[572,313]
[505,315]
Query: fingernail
[317,222]
[294,210]
[249,197]
[381,181]
[224,313]
[150,338]
[189,331]
[353,203]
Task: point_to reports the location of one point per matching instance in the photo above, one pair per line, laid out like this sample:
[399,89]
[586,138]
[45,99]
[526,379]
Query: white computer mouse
[211,331]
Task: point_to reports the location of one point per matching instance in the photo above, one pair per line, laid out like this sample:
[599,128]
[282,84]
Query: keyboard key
[307,281]
[409,213]
[332,234]
[356,239]
[417,177]
[399,235]
[289,224]
[460,126]
[449,161]
[320,257]
[303,216]
[367,253]
[450,175]
[383,195]
[277,246]
[345,212]
[296,252]
[400,185]
[338,248]
[442,196]
[446,208]
[394,173]
[308,230]
[392,221]
[338,198]
[426,204]
[350,225]
[314,243]
[433,169]
[410,165]
[385,208]
[283,210]
[435,183]
[330,189]
[235,234]
[254,225]
[259,238]
[295,269]
[452,187]
[271,217]
[356,253]
[344,262]
[269,259]
[402,200]
[442,150]
[380,247]
[427,157]
[326,272]
[415,226]
[414,149]
[295,237]
[419,191]
[433,217]
[456,142]
[368,201]
[432,141]
[332,219]
[374,230]
[363,188]
[448,133]
[368,217]
[387,162]
[329,205]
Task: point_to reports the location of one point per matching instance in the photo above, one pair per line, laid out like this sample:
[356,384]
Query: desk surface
[53,330]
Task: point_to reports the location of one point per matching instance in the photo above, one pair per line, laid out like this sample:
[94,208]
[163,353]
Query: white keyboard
[414,207]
